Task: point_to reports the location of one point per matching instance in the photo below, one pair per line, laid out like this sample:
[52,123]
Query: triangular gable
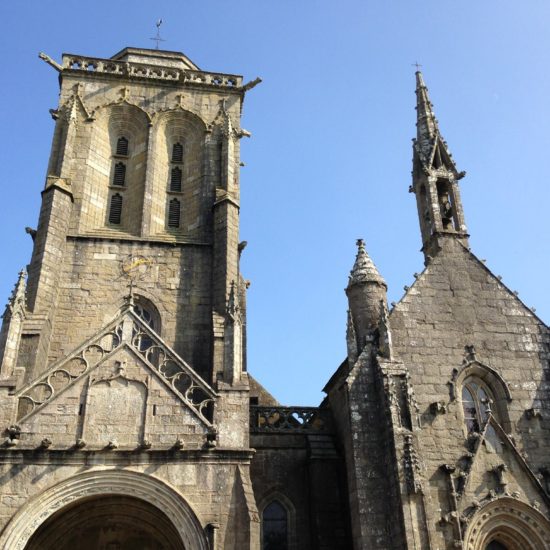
[126,332]
[498,471]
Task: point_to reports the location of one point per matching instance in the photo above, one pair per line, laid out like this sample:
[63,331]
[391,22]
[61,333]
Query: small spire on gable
[435,179]
[429,145]
[364,270]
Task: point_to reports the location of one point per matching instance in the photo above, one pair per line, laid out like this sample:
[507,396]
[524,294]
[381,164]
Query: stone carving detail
[194,391]
[412,466]
[68,370]
[130,331]
[97,483]
[289,419]
[438,407]
[93,65]
[534,412]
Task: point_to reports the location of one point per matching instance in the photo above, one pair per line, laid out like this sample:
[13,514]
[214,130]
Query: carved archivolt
[105,482]
[511,522]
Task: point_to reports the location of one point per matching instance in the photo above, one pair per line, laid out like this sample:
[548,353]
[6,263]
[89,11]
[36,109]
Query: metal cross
[157,38]
[417,65]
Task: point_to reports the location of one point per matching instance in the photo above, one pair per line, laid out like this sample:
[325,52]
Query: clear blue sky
[330,155]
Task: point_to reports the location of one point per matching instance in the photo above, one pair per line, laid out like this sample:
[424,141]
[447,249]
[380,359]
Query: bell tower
[435,179]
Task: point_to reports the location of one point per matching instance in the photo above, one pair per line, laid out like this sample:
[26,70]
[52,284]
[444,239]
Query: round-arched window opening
[495,545]
[275,527]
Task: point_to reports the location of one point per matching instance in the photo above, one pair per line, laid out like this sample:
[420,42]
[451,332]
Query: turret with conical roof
[366,290]
[435,179]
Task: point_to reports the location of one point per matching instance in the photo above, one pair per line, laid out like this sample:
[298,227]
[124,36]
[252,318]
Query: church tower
[435,179]
[124,346]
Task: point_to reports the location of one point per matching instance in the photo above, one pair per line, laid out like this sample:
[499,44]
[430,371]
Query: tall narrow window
[122,147]
[174,213]
[177,152]
[175,179]
[275,527]
[115,209]
[476,404]
[119,176]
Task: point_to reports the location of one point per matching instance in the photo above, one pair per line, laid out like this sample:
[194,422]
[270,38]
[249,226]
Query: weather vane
[157,38]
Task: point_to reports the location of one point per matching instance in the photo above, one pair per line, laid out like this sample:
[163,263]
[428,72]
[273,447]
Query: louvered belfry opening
[115,209]
[122,147]
[174,213]
[175,179]
[177,152]
[175,185]
[119,176]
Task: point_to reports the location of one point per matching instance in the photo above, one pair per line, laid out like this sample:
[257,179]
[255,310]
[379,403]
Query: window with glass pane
[275,527]
[476,404]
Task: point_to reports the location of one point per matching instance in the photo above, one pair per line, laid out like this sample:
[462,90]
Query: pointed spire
[17,297]
[430,145]
[426,123]
[364,270]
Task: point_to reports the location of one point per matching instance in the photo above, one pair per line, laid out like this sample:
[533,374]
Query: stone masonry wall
[455,303]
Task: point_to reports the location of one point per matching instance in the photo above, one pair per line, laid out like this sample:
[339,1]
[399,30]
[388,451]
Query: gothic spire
[435,179]
[364,270]
[430,146]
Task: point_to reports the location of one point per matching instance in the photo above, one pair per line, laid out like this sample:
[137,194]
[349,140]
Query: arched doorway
[508,524]
[149,499]
[109,522]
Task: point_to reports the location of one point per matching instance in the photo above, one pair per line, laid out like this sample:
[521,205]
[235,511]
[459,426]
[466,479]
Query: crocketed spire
[364,270]
[430,146]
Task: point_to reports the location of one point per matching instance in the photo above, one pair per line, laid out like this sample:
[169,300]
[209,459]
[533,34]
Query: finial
[417,65]
[129,301]
[157,38]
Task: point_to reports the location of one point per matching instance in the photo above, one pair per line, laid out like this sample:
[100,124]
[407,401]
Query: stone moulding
[518,524]
[105,482]
[129,331]
[109,67]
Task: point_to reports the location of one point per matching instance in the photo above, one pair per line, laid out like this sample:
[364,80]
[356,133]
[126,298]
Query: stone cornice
[86,67]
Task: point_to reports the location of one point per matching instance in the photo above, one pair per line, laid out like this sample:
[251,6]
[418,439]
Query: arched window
[177,152]
[118,179]
[476,404]
[115,209]
[175,179]
[175,186]
[119,175]
[275,527]
[174,214]
[122,147]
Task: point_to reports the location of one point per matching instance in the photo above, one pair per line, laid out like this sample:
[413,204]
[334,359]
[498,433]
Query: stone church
[130,419]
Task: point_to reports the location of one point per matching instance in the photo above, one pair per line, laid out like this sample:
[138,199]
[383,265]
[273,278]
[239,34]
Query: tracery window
[476,404]
[275,527]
